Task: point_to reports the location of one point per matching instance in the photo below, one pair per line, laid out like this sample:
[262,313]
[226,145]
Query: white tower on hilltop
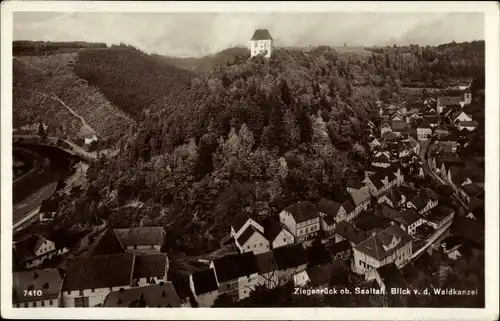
[261,43]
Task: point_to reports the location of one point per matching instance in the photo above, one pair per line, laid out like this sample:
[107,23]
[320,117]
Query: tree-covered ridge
[36,48]
[130,78]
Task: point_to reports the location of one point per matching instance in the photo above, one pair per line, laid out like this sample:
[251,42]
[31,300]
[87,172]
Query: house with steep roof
[388,276]
[204,286]
[35,249]
[261,43]
[361,200]
[43,288]
[327,225]
[302,220]
[276,234]
[384,128]
[450,102]
[89,280]
[340,251]
[241,222]
[421,203]
[252,240]
[332,209]
[290,260]
[384,179]
[48,210]
[142,239]
[391,245]
[268,270]
[346,231]
[438,216]
[470,232]
[424,130]
[373,143]
[367,221]
[236,274]
[162,295]
[410,221]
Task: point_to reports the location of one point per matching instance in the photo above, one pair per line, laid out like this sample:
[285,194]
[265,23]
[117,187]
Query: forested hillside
[251,135]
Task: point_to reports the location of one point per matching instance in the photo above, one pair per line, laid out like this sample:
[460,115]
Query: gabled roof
[48,281]
[354,183]
[48,206]
[472,190]
[359,196]
[348,206]
[338,247]
[437,214]
[99,272]
[290,256]
[391,276]
[302,211]
[231,267]
[420,201]
[204,281]
[107,243]
[351,233]
[272,228]
[471,123]
[424,124]
[266,262]
[410,216]
[330,208]
[161,295]
[247,234]
[151,265]
[373,246]
[329,220]
[261,34]
[239,221]
[448,101]
[467,229]
[321,275]
[141,236]
[367,221]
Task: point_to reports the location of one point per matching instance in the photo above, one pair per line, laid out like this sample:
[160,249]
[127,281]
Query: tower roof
[261,34]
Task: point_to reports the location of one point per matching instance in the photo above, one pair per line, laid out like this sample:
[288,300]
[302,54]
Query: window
[248,247]
[81,302]
[255,245]
[34,304]
[81,292]
[135,247]
[51,302]
[26,305]
[92,290]
[43,303]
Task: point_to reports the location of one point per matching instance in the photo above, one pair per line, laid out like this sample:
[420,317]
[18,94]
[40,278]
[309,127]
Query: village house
[346,231]
[391,245]
[470,233]
[441,132]
[276,234]
[354,185]
[301,279]
[241,222]
[421,203]
[410,221]
[385,179]
[89,280]
[384,128]
[424,130]
[142,239]
[252,240]
[361,200]
[438,216]
[468,125]
[387,277]
[261,43]
[368,221]
[162,295]
[394,198]
[462,116]
[340,251]
[381,160]
[268,270]
[302,219]
[236,275]
[399,127]
[432,120]
[43,288]
[290,259]
[469,192]
[35,249]
[373,143]
[48,210]
[204,286]
[451,102]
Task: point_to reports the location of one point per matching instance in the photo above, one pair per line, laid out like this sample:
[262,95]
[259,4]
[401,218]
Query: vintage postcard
[250,160]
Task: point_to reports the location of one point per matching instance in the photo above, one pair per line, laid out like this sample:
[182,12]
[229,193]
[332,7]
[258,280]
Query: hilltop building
[261,43]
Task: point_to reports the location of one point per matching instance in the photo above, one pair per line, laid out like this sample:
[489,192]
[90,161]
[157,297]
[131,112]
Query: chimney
[392,223]
[374,233]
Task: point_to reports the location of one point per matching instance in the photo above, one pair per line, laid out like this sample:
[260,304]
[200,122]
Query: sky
[199,34]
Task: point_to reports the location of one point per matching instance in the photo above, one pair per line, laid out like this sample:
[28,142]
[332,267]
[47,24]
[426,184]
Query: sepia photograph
[244,156]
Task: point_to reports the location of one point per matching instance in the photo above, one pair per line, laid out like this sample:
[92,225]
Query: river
[37,169]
